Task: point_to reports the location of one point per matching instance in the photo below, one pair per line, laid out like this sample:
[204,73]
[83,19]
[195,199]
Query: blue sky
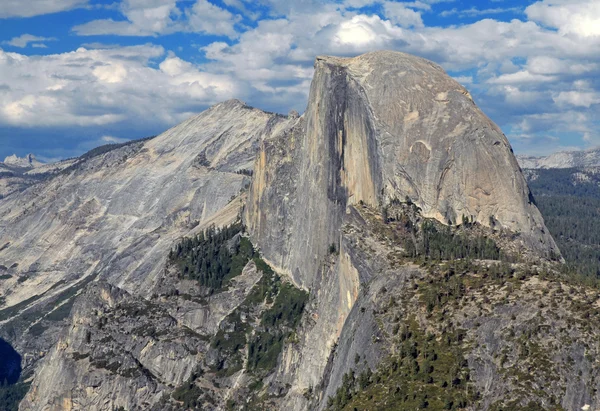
[75,74]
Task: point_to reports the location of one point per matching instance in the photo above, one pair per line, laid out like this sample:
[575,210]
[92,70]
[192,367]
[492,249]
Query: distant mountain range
[563,159]
[29,161]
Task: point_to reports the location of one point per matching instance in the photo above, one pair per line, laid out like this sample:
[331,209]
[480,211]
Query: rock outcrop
[379,127]
[29,161]
[115,215]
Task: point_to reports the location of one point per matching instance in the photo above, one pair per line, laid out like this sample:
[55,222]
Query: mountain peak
[380,128]
[378,56]
[29,161]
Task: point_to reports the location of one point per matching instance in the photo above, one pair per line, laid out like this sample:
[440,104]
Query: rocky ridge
[563,159]
[114,216]
[29,161]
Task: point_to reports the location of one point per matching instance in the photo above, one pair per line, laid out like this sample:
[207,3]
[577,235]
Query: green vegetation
[429,369]
[429,372]
[12,395]
[454,278]
[253,335]
[279,322]
[429,239]
[435,323]
[552,182]
[210,258]
[571,210]
[189,394]
[441,243]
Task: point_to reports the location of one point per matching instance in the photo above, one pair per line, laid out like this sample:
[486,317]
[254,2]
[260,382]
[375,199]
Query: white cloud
[578,98]
[530,75]
[515,64]
[363,31]
[157,17]
[205,17]
[564,121]
[580,18]
[401,15]
[554,65]
[521,77]
[464,80]
[23,40]
[474,11]
[105,86]
[29,8]
[110,73]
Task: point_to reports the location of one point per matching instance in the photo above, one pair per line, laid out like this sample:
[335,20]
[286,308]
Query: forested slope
[569,200]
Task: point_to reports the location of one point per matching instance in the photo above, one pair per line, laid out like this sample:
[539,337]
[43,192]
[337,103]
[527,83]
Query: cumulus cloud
[24,40]
[105,86]
[534,75]
[156,17]
[29,8]
[521,77]
[578,98]
[474,11]
[580,18]
[402,15]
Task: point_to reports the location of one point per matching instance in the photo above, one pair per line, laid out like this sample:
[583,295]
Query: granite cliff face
[114,216]
[379,127]
[384,212]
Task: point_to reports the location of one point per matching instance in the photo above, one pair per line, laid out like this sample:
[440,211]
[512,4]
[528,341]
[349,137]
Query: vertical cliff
[378,128]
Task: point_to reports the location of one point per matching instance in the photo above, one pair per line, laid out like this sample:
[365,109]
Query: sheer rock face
[115,216]
[118,214]
[378,127]
[121,350]
[381,126]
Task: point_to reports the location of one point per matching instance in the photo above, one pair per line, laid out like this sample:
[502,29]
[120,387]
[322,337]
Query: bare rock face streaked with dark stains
[111,356]
[378,127]
[121,350]
[115,214]
[381,126]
